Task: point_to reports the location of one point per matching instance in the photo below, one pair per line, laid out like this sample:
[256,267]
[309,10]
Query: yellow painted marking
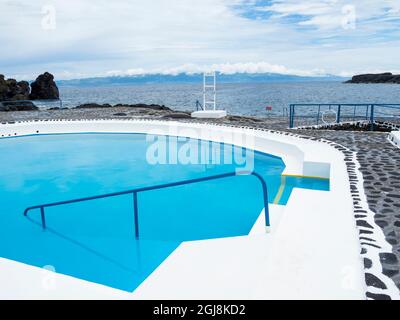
[281,190]
[304,177]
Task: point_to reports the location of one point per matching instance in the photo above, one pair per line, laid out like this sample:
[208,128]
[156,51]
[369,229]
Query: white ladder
[210,90]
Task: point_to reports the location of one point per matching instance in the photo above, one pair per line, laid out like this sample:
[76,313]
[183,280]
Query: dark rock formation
[44,88]
[17,106]
[57,108]
[11,90]
[177,115]
[155,107]
[24,90]
[375,78]
[243,118]
[3,88]
[93,106]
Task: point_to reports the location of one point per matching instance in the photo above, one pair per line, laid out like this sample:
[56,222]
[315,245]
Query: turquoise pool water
[95,240]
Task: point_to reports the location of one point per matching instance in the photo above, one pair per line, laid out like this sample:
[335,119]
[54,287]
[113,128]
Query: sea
[248,99]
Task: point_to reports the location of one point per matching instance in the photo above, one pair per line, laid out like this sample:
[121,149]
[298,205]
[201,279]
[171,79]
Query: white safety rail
[210,90]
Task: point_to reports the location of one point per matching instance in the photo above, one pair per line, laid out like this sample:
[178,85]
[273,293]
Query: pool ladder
[135,192]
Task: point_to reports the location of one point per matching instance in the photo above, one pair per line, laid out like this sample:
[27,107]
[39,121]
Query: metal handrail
[134,192]
[370,110]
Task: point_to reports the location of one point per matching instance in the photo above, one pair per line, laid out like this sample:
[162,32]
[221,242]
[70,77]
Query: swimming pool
[95,240]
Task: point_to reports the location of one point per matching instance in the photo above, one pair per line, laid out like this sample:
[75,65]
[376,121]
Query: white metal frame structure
[210,90]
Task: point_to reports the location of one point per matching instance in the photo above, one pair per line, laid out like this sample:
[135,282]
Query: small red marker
[268,108]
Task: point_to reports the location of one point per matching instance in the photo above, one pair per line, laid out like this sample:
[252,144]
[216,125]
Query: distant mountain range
[191,78]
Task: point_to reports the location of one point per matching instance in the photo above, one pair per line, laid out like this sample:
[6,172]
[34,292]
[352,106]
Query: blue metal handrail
[134,192]
[371,110]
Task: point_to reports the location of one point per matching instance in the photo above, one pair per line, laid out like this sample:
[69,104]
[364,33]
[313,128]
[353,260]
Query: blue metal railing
[372,111]
[135,192]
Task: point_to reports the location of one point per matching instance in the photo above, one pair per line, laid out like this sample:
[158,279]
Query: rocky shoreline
[122,111]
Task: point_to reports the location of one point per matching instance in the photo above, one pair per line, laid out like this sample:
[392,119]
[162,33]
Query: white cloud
[324,14]
[170,36]
[224,68]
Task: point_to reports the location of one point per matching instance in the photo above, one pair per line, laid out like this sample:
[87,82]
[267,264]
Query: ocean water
[95,240]
[241,99]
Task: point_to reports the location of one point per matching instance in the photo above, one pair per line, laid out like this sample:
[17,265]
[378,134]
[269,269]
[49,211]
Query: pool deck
[379,163]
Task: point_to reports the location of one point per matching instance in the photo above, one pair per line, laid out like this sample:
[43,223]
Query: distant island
[376,78]
[192,78]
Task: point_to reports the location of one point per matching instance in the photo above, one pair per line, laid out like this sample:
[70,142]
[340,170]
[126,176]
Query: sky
[90,38]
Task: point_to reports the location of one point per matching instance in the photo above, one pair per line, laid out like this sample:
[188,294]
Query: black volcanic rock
[3,88]
[156,107]
[44,88]
[177,115]
[138,106]
[24,89]
[18,106]
[375,78]
[93,106]
[11,90]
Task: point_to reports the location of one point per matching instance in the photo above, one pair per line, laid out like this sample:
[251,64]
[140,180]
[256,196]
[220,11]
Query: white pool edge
[394,138]
[301,155]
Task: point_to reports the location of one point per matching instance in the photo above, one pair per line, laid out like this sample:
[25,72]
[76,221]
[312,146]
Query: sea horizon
[248,99]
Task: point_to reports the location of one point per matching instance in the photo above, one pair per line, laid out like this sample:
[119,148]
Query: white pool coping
[313,251]
[394,137]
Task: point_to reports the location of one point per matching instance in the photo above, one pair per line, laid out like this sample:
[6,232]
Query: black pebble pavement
[380,166]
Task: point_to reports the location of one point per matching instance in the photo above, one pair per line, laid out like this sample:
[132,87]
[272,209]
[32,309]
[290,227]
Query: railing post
[43,218]
[338,113]
[319,114]
[266,208]
[294,115]
[136,215]
[265,198]
[372,119]
[291,117]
